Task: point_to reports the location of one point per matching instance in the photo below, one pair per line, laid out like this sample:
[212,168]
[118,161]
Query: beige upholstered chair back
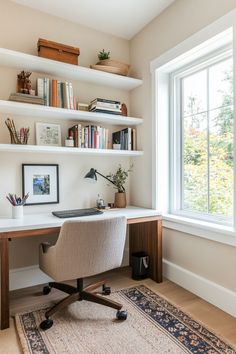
[85,248]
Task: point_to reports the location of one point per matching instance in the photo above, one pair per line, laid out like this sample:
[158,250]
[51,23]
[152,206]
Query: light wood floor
[214,319]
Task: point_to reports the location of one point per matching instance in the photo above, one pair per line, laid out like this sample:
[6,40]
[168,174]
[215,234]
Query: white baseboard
[29,276]
[214,293]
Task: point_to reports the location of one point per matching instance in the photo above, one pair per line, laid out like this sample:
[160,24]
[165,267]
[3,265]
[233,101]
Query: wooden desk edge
[56,229]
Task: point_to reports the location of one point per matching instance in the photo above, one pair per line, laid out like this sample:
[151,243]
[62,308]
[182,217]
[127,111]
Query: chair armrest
[45,246]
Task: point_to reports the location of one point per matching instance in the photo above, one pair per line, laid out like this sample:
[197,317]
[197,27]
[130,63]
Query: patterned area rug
[153,326]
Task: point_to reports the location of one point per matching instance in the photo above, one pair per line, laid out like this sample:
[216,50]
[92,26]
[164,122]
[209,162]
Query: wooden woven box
[58,51]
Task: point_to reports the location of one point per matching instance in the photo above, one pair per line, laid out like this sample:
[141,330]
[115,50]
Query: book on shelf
[101,105]
[104,100]
[56,93]
[26,98]
[89,136]
[126,138]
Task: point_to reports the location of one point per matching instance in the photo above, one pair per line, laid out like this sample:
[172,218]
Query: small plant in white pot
[119,179]
[116,145]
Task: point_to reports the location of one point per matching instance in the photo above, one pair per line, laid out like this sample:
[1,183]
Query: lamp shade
[91,174]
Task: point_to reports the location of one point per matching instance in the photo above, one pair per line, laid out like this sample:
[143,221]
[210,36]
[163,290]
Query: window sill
[207,230]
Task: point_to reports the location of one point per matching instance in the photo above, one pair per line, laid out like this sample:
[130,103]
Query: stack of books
[56,93]
[126,138]
[89,136]
[26,98]
[102,105]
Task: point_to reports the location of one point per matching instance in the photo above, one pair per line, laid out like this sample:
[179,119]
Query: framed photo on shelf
[41,182]
[48,134]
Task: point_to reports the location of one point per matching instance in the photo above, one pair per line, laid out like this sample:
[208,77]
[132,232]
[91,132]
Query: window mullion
[208,143]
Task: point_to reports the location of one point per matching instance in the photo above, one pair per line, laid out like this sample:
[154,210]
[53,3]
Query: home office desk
[145,233]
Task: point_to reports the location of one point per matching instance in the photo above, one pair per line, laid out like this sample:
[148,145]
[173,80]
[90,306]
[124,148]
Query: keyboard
[76,213]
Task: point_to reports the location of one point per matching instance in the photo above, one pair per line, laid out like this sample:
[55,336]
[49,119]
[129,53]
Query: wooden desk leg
[147,236]
[4,253]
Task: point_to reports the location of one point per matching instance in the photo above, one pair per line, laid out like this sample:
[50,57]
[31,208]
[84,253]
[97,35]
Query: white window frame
[213,37]
[176,192]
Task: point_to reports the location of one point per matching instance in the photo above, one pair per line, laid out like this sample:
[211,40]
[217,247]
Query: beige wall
[183,18]
[20,29]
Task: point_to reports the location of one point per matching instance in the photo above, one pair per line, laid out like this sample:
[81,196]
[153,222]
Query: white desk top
[46,220]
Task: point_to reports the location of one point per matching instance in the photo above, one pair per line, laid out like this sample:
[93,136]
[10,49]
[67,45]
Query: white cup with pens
[17,204]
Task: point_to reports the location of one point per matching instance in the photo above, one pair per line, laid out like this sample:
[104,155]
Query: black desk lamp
[92,174]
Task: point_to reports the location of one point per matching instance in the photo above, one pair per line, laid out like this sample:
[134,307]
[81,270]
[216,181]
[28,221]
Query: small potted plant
[102,55]
[116,145]
[110,65]
[118,179]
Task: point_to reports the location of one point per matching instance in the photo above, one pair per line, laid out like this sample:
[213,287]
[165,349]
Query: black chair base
[78,294]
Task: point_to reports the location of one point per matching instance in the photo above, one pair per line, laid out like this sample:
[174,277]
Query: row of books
[56,93]
[126,138]
[102,105]
[89,136]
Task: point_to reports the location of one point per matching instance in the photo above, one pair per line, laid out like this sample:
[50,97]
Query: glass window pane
[221,162]
[195,162]
[194,92]
[221,84]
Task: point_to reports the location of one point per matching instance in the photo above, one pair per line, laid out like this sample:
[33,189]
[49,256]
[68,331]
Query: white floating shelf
[29,62]
[33,110]
[66,150]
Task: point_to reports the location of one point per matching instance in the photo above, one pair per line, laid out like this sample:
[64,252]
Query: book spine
[45,91]
[129,137]
[40,87]
[105,105]
[79,135]
[93,108]
[105,100]
[54,93]
[106,138]
[83,138]
[71,96]
[48,91]
[106,111]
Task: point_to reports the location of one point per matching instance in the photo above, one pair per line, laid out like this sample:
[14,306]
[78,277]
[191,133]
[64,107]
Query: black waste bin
[140,265]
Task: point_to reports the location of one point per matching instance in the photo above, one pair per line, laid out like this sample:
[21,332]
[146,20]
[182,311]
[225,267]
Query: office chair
[83,249]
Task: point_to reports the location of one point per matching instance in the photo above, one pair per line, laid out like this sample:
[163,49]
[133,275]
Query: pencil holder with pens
[17,212]
[17,136]
[17,205]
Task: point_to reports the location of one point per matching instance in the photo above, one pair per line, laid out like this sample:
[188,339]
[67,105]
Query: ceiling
[122,18]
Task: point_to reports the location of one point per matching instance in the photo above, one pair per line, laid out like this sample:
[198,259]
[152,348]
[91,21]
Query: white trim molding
[217,295]
[27,276]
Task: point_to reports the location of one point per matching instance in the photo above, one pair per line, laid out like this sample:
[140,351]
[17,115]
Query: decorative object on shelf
[42,182]
[104,105]
[69,141]
[83,107]
[48,134]
[118,179]
[24,84]
[57,51]
[124,110]
[25,98]
[109,65]
[102,55]
[116,145]
[17,204]
[17,137]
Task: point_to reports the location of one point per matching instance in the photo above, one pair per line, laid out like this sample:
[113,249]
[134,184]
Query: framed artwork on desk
[41,181]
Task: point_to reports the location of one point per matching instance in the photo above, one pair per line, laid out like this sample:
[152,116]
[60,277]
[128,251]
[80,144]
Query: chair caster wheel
[121,315]
[106,290]
[46,290]
[46,324]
